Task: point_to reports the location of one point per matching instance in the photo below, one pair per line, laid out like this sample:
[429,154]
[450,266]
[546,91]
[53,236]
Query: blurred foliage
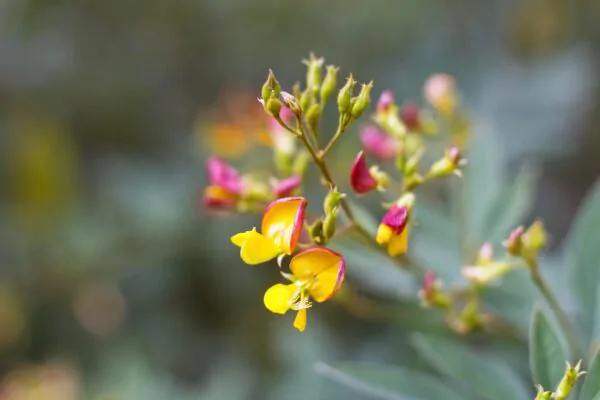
[116,286]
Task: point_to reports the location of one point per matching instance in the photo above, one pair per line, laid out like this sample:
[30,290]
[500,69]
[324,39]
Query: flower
[280,229]
[286,187]
[440,92]
[225,184]
[361,179]
[316,273]
[378,144]
[393,230]
[386,99]
[431,292]
[410,114]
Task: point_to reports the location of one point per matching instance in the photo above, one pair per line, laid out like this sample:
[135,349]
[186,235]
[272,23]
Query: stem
[561,317]
[338,134]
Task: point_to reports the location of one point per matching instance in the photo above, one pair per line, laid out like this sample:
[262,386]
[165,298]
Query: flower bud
[542,394]
[440,92]
[317,235]
[306,100]
[313,74]
[379,144]
[410,114]
[514,243]
[329,83]
[270,88]
[386,100]
[412,181]
[449,164]
[568,381]
[431,293]
[361,179]
[535,237]
[382,178]
[332,201]
[410,167]
[291,103]
[329,224]
[312,117]
[486,254]
[273,107]
[481,275]
[287,187]
[344,99]
[407,200]
[362,100]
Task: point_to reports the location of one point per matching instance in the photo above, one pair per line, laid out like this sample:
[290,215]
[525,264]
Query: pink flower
[385,101]
[396,218]
[379,144]
[360,177]
[225,184]
[286,187]
[410,115]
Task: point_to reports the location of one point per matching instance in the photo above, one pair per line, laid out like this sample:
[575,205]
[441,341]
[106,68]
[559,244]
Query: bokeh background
[115,284]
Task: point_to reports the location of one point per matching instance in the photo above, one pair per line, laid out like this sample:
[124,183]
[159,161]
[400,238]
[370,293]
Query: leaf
[374,270]
[489,378]
[385,382]
[546,354]
[510,207]
[582,256]
[591,385]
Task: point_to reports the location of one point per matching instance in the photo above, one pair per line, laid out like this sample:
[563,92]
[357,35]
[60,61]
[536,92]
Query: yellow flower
[316,273]
[393,230]
[280,229]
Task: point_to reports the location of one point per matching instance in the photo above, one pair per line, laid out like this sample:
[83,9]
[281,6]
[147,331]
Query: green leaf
[591,384]
[489,378]
[510,207]
[386,382]
[546,354]
[582,256]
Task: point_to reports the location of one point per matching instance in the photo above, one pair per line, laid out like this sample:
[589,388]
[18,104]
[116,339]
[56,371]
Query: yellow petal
[218,193]
[282,222]
[257,248]
[398,243]
[240,238]
[384,234]
[300,320]
[279,298]
[325,267]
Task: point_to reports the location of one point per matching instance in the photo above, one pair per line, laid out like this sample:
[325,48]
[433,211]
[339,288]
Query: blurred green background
[114,284]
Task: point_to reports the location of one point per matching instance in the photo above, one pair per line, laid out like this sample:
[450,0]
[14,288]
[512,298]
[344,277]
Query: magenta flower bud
[396,218]
[378,143]
[286,187]
[360,178]
[428,286]
[223,175]
[410,114]
[486,254]
[454,156]
[385,101]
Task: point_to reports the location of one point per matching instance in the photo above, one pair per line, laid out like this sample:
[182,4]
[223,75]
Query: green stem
[563,320]
[338,134]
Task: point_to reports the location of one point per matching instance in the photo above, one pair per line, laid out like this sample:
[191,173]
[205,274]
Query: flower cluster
[293,133]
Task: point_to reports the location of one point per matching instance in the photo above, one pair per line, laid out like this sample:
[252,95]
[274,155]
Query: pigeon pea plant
[420,154]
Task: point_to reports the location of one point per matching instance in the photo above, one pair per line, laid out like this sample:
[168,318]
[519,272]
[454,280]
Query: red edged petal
[360,178]
[396,218]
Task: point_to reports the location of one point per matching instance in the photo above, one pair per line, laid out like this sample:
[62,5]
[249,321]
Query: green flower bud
[514,243]
[313,75]
[312,117]
[535,237]
[316,232]
[381,177]
[332,201]
[329,224]
[413,162]
[270,88]
[362,101]
[306,100]
[344,98]
[273,106]
[329,83]
[568,381]
[542,394]
[412,181]
[291,102]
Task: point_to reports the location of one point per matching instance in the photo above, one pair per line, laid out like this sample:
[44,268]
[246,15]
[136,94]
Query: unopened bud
[344,98]
[431,293]
[313,74]
[329,83]
[273,107]
[332,201]
[410,114]
[486,254]
[362,101]
[407,200]
[535,237]
[312,117]
[306,100]
[440,92]
[482,275]
[514,243]
[386,100]
[329,224]
[449,164]
[410,167]
[568,381]
[316,232]
[270,88]
[542,394]
[412,181]
[291,102]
